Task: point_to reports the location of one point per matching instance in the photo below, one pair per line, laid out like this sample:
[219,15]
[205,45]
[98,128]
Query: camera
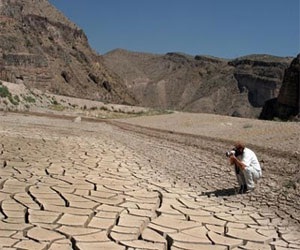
[231,152]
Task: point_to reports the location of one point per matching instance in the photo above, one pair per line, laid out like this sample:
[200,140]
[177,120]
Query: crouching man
[247,167]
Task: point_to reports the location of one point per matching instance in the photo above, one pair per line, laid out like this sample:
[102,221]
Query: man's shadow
[220,192]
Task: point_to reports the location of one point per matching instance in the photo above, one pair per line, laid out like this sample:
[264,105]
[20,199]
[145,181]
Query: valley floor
[156,182]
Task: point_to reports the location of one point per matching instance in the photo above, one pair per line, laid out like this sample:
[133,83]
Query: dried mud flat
[157,182]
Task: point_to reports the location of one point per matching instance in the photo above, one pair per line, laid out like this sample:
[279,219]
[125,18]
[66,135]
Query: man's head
[239,148]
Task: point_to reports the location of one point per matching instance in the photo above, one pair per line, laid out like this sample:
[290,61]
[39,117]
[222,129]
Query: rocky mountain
[178,81]
[41,48]
[287,104]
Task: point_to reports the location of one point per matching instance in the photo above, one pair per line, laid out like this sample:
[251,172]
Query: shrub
[17,98]
[4,92]
[104,108]
[54,102]
[29,99]
[57,107]
[12,100]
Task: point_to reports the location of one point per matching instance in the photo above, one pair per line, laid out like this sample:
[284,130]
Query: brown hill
[41,48]
[200,84]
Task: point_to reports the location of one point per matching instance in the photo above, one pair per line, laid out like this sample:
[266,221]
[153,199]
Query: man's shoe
[243,189]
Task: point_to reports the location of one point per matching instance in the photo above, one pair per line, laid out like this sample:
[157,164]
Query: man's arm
[237,162]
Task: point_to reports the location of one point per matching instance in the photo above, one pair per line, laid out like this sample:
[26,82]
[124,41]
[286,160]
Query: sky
[220,28]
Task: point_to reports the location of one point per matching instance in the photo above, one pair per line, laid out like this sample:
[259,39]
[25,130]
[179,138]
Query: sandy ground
[282,136]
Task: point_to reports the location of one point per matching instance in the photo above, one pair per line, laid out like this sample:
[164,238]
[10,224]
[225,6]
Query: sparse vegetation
[57,107]
[13,101]
[4,92]
[104,108]
[29,99]
[113,113]
[54,101]
[17,98]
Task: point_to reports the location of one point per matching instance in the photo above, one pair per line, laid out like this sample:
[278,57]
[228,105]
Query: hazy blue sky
[222,28]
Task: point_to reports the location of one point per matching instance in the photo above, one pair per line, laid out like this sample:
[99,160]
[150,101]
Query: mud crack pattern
[90,186]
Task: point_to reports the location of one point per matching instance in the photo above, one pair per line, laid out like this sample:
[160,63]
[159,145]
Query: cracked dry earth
[94,185]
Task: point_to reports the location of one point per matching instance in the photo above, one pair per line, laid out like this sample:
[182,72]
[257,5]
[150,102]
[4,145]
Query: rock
[94,78]
[25,60]
[42,49]
[107,86]
[40,44]
[288,98]
[77,119]
[66,76]
[260,75]
[259,88]
[287,105]
[202,83]
[269,110]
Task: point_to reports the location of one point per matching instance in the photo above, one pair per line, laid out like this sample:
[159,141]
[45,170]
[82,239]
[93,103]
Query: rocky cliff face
[287,104]
[177,81]
[261,75]
[41,48]
[289,92]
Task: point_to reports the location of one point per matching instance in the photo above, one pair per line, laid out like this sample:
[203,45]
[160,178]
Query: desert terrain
[78,174]
[72,179]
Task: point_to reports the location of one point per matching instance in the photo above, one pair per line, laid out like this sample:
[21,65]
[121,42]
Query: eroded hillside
[236,87]
[41,48]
